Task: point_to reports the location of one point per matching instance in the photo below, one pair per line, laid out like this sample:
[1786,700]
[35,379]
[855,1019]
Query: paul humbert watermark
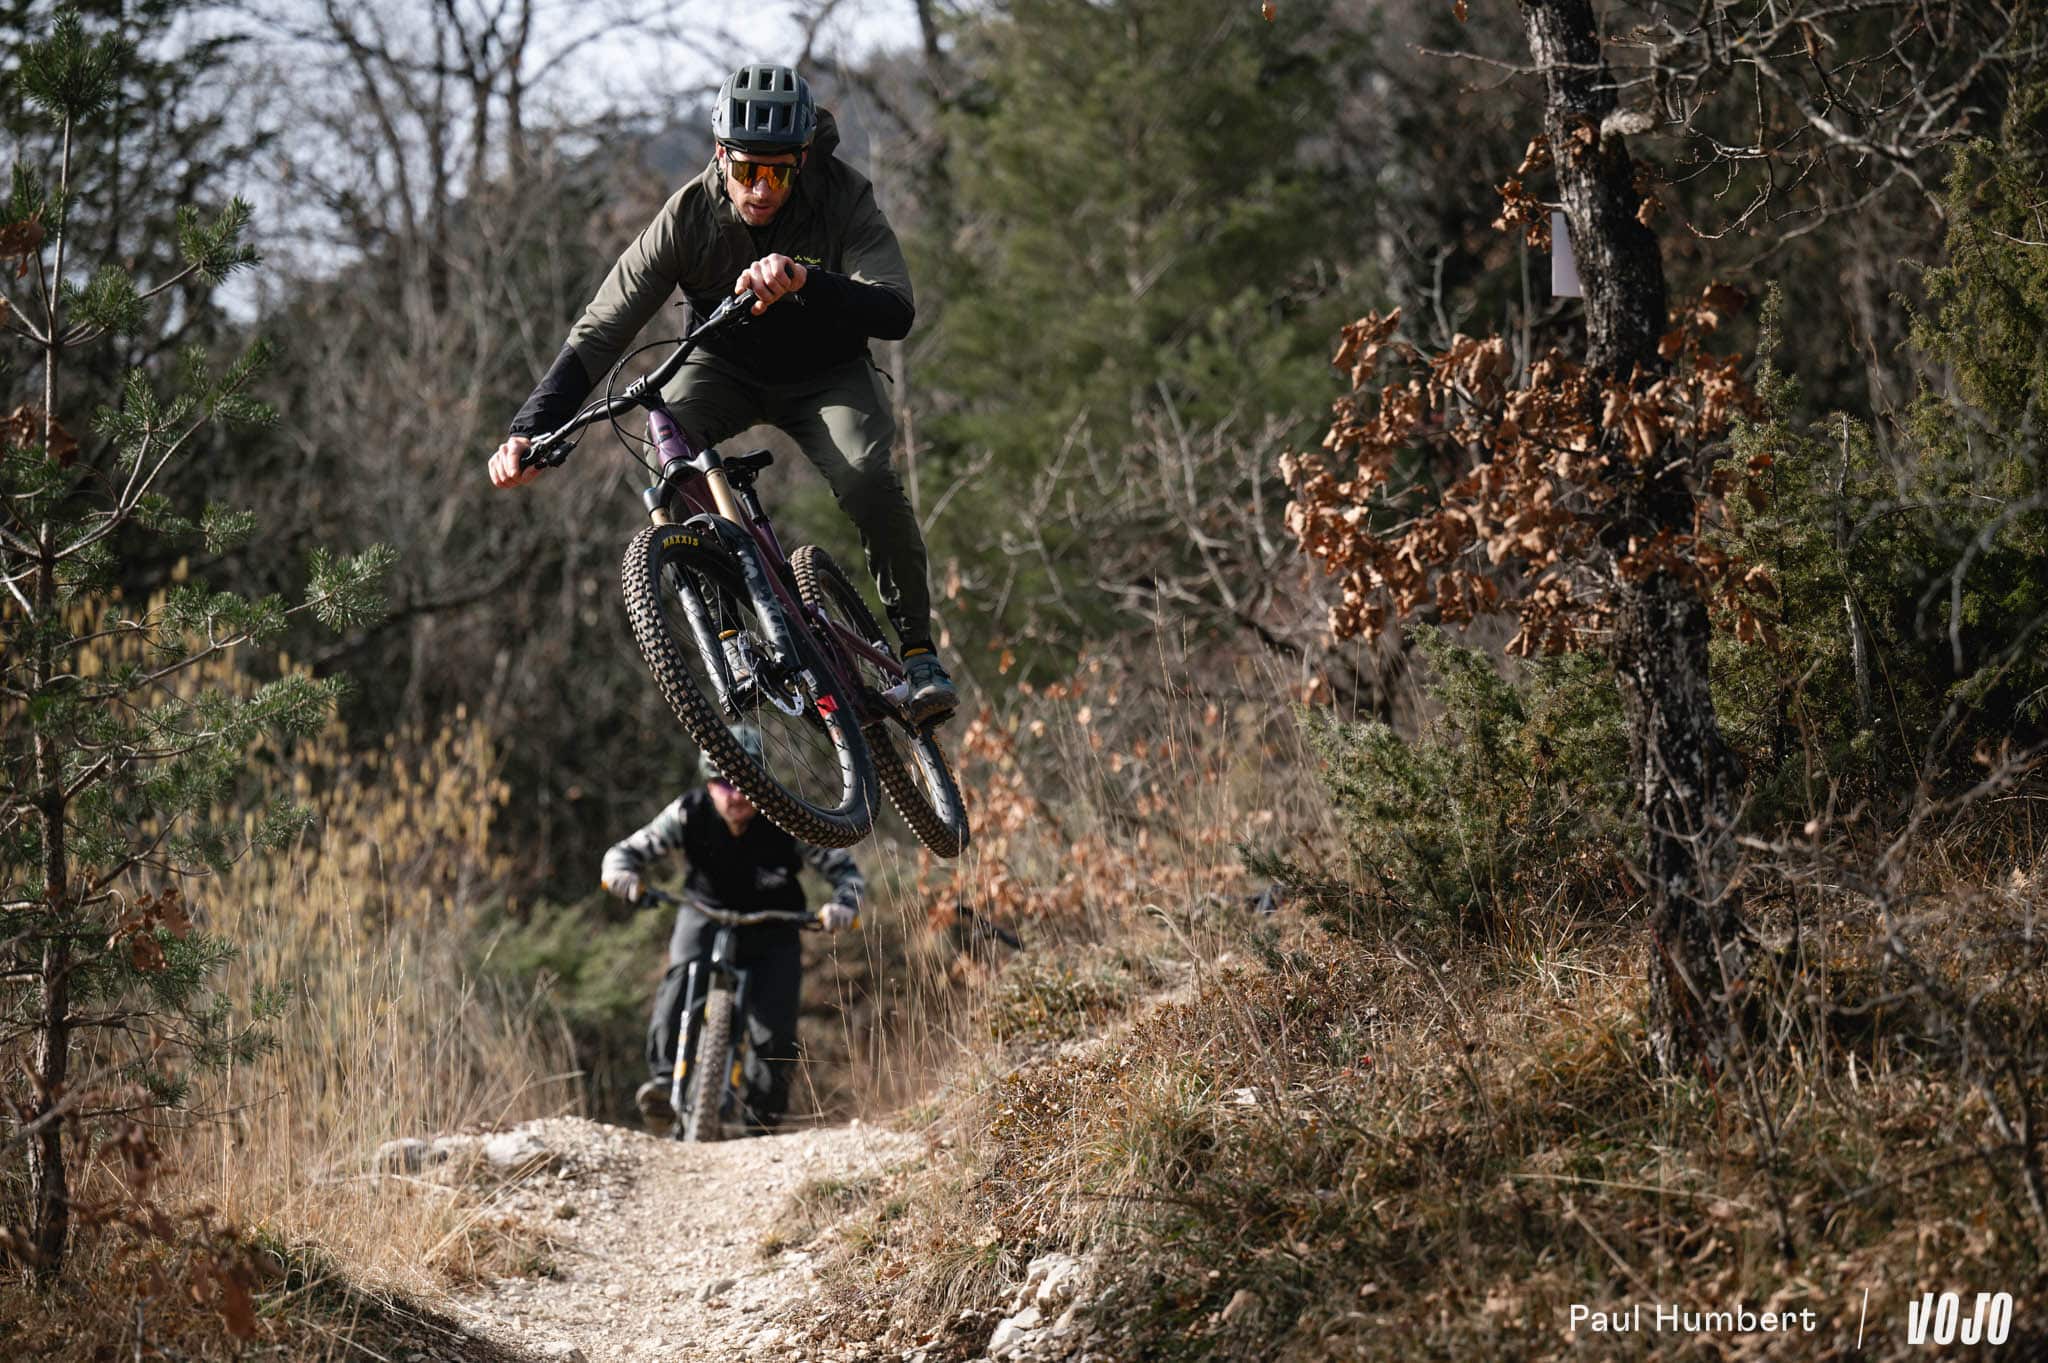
[1636,1318]
[1932,1319]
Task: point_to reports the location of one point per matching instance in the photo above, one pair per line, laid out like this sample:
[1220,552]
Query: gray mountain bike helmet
[763,110]
[749,739]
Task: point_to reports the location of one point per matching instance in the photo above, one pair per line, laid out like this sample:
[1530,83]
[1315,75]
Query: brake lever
[546,454]
[744,299]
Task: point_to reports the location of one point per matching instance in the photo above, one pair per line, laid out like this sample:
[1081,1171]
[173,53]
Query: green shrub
[1911,581]
[600,969]
[1512,798]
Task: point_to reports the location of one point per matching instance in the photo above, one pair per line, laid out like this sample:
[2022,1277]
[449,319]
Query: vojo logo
[1940,1320]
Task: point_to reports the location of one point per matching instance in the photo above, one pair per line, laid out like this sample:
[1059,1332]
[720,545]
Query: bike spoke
[908,763]
[757,684]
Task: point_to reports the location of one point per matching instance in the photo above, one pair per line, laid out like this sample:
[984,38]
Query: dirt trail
[659,1245]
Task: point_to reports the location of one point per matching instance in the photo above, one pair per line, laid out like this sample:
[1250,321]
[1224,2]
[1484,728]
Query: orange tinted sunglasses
[746,172]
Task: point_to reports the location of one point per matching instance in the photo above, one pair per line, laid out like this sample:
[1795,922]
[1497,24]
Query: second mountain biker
[778,213]
[742,862]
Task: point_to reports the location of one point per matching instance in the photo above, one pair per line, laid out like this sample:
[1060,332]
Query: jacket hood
[825,141]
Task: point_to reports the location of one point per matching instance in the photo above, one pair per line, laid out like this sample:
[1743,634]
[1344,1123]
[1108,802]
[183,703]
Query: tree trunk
[49,1178]
[1682,770]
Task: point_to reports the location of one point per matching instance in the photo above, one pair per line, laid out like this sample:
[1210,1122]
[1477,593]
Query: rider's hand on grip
[769,278]
[838,915]
[626,885]
[506,470]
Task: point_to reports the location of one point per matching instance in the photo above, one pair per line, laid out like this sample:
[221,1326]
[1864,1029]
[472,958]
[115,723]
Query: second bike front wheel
[709,1076]
[715,653]
[922,786]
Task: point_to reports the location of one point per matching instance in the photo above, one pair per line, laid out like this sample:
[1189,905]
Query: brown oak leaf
[18,240]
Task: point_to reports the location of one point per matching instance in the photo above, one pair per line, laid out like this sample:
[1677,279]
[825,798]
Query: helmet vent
[765,109]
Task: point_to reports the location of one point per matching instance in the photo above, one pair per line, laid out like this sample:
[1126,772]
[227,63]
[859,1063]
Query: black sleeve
[560,393]
[870,309]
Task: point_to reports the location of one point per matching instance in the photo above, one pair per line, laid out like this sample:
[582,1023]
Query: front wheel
[715,653]
[712,1071]
[922,788]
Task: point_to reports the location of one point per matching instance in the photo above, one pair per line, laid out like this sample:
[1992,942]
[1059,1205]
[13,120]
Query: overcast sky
[668,65]
[705,39]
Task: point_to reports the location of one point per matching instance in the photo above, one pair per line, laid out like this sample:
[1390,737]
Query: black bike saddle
[742,469]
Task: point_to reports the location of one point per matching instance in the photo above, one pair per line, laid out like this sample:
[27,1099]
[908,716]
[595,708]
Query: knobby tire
[933,809]
[712,1070]
[663,642]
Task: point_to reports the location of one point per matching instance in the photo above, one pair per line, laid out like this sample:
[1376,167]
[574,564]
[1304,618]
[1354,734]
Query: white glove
[626,885]
[836,915]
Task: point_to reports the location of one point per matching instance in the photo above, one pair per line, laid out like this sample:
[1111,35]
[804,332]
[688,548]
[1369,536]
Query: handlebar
[551,449]
[807,919]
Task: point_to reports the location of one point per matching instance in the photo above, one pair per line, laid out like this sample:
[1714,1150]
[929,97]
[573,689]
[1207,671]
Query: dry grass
[372,923]
[1399,1143]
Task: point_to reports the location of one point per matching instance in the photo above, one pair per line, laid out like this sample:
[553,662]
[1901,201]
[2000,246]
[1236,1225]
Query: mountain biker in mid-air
[775,212]
[737,862]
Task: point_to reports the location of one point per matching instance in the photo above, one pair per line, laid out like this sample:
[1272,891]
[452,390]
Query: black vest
[756,870]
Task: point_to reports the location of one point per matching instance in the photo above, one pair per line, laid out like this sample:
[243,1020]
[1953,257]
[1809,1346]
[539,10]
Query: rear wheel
[710,1075]
[715,654]
[908,760]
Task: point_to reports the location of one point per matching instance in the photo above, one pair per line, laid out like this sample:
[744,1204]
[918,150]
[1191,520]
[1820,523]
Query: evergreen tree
[153,150]
[120,773]
[1149,218]
[1911,589]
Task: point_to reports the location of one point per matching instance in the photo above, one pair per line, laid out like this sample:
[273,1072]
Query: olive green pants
[840,419]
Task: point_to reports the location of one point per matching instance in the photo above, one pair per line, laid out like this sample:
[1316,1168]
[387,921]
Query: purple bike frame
[675,450]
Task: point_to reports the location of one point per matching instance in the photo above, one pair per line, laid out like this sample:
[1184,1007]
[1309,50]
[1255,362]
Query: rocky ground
[650,1248]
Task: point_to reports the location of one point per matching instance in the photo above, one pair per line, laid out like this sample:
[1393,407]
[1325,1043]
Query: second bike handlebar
[551,449]
[806,918]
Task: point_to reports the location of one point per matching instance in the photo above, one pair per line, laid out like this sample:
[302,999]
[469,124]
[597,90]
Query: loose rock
[1044,1310]
[405,1156]
[511,1153]
[661,1258]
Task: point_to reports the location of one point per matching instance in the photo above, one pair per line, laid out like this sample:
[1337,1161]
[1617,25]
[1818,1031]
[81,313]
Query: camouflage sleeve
[645,275]
[651,843]
[836,864]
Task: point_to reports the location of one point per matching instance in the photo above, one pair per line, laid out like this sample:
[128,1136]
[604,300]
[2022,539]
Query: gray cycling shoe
[652,1100]
[932,698]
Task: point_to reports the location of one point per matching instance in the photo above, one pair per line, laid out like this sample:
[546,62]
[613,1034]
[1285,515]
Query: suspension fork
[677,457]
[703,977]
[686,1043]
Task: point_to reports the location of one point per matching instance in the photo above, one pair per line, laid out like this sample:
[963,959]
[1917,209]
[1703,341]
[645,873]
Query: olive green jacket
[857,286]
